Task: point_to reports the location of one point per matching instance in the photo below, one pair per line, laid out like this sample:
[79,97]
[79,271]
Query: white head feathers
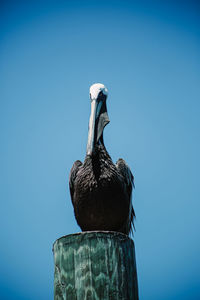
[96,88]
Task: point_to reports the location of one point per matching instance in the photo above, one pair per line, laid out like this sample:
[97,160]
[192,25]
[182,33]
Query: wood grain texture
[95,265]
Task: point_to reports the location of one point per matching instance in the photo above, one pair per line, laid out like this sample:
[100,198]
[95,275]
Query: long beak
[98,120]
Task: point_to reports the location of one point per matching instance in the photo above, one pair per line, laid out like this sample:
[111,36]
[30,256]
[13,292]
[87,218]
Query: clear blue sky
[147,54]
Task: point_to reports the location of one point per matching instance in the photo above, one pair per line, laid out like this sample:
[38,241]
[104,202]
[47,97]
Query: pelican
[101,191]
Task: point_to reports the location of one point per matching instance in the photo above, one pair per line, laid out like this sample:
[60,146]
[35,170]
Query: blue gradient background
[147,54]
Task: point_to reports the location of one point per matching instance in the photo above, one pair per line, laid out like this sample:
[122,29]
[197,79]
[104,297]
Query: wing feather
[72,176]
[125,171]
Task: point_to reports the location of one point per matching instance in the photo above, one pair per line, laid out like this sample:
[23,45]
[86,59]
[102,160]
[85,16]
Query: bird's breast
[100,199]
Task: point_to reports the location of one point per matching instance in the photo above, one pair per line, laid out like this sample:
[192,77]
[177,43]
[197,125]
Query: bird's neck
[100,156]
[100,150]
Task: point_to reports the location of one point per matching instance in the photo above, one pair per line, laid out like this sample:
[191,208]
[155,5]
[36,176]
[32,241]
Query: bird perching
[101,191]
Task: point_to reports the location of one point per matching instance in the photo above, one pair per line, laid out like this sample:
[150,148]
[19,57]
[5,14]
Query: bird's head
[98,90]
[98,117]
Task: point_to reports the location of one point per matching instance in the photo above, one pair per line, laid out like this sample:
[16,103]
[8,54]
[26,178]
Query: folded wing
[126,173]
[72,177]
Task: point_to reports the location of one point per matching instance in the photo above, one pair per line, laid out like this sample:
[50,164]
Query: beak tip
[89,152]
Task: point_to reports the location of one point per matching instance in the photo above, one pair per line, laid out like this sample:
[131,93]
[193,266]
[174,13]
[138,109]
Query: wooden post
[96,265]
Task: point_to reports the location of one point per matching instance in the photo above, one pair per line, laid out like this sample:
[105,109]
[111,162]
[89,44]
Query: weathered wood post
[96,265]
